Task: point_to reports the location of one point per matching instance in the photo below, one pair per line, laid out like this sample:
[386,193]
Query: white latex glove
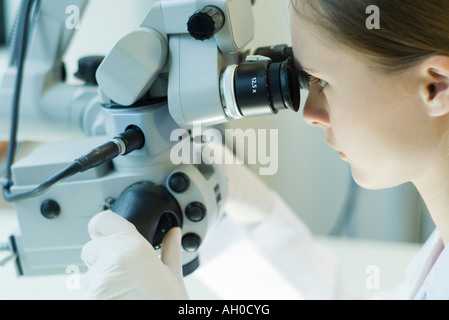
[249,199]
[124,266]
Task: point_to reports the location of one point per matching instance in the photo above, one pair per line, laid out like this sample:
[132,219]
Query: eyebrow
[299,66]
[309,70]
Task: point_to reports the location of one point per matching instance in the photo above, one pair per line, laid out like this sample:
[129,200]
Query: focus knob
[205,23]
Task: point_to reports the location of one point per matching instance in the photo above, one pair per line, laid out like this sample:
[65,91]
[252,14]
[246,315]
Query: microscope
[185,65]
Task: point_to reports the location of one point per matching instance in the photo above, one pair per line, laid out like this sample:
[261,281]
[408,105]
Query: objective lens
[265,88]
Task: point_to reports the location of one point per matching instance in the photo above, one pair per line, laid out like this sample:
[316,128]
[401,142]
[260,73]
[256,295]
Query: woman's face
[376,122]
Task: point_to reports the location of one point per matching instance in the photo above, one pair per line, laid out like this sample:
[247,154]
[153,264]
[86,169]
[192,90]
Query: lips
[341,154]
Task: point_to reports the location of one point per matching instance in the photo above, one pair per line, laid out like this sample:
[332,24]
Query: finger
[171,250]
[110,248]
[108,223]
[88,254]
[93,250]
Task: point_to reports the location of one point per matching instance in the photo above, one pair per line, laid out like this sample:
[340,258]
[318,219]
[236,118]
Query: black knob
[179,182]
[205,23]
[87,69]
[151,208]
[196,212]
[50,209]
[191,242]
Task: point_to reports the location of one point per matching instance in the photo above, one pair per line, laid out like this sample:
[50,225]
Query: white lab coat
[427,275]
[284,241]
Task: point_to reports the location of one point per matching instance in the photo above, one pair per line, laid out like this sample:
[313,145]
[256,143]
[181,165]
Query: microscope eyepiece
[264,84]
[265,88]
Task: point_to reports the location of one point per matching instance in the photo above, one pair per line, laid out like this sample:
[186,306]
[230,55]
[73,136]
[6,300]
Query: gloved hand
[250,200]
[124,266]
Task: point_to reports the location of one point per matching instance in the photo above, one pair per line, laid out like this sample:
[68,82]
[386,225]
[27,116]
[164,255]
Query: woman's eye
[320,82]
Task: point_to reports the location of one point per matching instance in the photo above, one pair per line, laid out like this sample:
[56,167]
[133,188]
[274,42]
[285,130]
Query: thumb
[171,250]
[107,223]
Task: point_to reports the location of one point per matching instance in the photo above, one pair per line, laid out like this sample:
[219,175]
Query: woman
[382,97]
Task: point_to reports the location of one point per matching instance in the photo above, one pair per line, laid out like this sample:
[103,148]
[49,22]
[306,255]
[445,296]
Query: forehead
[311,47]
[318,53]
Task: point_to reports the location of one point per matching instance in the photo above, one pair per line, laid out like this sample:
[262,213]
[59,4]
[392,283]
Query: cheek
[366,113]
[357,120]
[376,132]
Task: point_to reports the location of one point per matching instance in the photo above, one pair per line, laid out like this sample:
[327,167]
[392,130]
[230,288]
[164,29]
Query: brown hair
[410,30]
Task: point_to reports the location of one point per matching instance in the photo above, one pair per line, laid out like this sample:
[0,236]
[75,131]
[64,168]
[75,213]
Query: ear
[435,85]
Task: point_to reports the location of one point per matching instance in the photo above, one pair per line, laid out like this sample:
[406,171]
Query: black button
[191,242]
[196,211]
[179,182]
[50,209]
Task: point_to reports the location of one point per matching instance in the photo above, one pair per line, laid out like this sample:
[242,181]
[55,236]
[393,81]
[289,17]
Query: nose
[316,112]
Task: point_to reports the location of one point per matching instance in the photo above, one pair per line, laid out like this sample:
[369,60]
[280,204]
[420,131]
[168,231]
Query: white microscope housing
[186,64]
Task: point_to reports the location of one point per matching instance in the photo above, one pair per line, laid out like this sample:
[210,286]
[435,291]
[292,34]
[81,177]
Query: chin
[375,179]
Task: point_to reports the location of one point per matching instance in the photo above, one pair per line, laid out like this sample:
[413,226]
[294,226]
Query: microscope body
[184,66]
[157,78]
